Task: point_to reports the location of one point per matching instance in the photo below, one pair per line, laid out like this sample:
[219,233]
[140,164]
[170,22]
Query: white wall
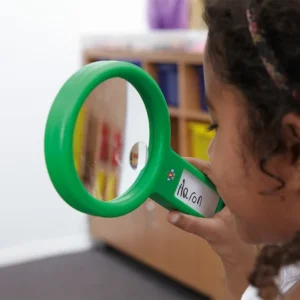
[113,16]
[39,49]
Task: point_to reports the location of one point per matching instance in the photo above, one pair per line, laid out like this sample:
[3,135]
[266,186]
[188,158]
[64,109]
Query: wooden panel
[175,142]
[126,232]
[183,136]
[189,89]
[151,69]
[185,257]
[146,235]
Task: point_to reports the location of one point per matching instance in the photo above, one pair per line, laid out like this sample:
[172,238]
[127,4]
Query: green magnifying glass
[107,146]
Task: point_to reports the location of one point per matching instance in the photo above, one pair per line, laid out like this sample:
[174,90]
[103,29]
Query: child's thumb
[202,227]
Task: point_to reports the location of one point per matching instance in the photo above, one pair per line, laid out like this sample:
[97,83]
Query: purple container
[168,14]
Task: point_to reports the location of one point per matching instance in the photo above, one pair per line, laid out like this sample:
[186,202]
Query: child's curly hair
[269,262]
[237,61]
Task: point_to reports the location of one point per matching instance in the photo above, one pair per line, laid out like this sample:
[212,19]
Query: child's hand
[220,232]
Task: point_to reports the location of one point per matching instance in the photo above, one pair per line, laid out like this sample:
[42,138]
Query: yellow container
[100,182]
[78,139]
[200,139]
[111,187]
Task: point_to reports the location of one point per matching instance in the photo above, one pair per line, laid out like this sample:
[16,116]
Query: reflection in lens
[112,120]
[138,156]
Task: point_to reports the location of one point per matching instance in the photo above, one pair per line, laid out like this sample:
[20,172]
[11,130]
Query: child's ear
[291,132]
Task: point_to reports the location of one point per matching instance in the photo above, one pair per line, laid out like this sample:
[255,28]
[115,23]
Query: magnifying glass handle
[184,188]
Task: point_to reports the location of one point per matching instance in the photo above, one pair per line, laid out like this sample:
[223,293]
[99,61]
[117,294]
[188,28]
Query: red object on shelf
[104,147]
[117,149]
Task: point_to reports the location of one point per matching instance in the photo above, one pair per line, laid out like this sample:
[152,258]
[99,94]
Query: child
[252,78]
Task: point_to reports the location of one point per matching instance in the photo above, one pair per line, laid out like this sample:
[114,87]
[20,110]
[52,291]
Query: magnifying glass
[107,146]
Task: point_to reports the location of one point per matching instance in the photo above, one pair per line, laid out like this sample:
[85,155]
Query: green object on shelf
[167,178]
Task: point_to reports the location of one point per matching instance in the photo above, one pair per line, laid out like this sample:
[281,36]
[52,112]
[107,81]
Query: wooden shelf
[189,115]
[197,116]
[145,234]
[93,54]
[174,112]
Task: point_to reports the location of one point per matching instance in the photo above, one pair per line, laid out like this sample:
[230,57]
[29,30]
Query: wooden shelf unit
[189,108]
[145,234]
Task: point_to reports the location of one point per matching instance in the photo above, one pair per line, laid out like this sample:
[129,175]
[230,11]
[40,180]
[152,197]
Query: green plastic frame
[152,182]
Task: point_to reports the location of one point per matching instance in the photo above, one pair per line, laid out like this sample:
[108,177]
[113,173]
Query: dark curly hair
[236,61]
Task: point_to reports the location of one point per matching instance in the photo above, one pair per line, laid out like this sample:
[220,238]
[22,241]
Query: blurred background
[47,249]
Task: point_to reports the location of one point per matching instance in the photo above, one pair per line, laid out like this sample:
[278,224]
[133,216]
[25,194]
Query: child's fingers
[205,228]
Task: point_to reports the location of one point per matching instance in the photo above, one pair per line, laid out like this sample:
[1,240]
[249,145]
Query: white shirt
[287,279]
